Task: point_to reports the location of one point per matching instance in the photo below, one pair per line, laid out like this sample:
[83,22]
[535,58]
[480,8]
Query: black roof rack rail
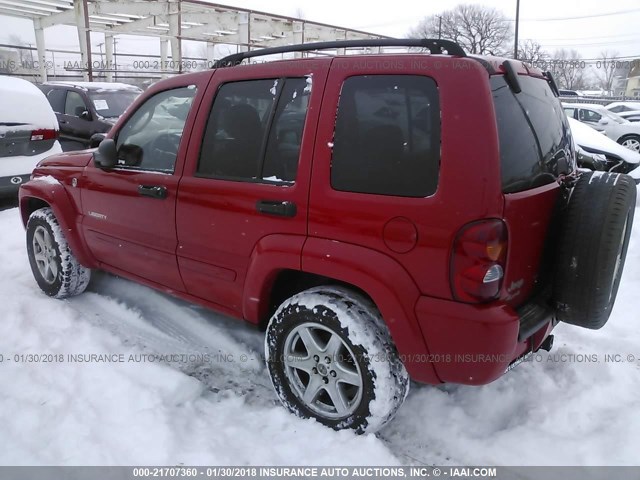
[436,46]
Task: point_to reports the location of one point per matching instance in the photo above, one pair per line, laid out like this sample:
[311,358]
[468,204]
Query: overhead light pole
[515,45]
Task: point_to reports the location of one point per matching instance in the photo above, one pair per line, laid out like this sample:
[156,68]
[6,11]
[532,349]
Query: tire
[632,142]
[356,359]
[593,247]
[55,268]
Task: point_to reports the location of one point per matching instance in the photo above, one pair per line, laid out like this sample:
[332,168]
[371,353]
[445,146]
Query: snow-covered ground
[223,411]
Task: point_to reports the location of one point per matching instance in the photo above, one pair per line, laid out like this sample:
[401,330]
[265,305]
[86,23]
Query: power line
[570,44]
[598,15]
[547,19]
[585,38]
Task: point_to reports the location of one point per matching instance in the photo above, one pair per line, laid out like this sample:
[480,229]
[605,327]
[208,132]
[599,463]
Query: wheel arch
[32,198]
[281,267]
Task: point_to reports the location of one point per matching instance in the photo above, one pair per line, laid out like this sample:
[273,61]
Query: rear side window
[387,136]
[534,134]
[254,131]
[56,99]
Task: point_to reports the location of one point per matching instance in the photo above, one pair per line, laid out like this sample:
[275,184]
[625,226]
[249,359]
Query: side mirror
[82,112]
[106,156]
[95,139]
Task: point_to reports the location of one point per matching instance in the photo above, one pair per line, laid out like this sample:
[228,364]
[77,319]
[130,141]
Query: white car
[28,132]
[619,107]
[624,132]
[631,115]
[595,143]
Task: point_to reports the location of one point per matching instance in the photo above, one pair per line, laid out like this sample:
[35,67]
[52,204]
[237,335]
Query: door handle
[62,121]
[275,207]
[153,191]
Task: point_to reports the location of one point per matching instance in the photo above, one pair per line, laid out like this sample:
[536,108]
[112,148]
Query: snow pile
[103,86]
[23,102]
[561,408]
[139,412]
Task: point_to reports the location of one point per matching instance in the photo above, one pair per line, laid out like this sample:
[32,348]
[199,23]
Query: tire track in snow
[162,325]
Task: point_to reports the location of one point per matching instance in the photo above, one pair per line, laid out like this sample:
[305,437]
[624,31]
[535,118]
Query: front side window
[254,131]
[387,136]
[589,116]
[74,104]
[150,138]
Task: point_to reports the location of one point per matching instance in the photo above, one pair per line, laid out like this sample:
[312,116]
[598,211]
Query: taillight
[44,134]
[478,261]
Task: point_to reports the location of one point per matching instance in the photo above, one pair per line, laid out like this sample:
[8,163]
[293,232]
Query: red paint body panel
[271,254]
[218,225]
[464,193]
[528,216]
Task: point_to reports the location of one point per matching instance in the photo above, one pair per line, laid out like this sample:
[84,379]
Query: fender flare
[56,196]
[374,273]
[271,254]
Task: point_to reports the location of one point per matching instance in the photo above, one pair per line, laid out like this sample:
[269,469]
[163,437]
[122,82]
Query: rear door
[247,176]
[535,149]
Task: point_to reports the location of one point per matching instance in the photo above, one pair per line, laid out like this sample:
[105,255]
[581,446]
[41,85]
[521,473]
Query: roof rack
[435,46]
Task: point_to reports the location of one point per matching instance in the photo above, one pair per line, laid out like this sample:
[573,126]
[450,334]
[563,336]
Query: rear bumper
[9,185]
[474,344]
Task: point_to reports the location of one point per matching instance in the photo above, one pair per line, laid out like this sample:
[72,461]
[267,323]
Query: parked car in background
[86,108]
[28,132]
[613,126]
[568,93]
[619,107]
[596,151]
[630,115]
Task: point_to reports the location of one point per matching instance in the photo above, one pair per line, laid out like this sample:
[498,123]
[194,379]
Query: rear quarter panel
[469,178]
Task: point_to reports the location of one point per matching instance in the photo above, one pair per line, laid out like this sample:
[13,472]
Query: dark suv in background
[86,108]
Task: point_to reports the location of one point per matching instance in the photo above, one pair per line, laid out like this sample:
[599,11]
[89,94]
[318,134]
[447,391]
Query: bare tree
[607,69]
[532,52]
[24,54]
[568,69]
[478,29]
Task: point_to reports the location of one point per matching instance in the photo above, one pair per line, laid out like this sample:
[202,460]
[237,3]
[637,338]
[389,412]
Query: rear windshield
[534,134]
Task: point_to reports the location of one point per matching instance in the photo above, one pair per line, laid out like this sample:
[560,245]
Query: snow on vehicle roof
[23,102]
[103,86]
[592,140]
[594,106]
[634,105]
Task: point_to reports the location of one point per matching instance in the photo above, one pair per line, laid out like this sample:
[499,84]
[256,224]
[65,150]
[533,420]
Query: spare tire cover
[593,245]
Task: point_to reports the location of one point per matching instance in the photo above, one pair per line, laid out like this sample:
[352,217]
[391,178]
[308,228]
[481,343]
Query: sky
[589,26]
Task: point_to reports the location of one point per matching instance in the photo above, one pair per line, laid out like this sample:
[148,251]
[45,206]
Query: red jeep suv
[385,217]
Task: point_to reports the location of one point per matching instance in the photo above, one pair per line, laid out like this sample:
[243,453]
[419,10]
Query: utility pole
[515,46]
[115,60]
[440,26]
[101,57]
